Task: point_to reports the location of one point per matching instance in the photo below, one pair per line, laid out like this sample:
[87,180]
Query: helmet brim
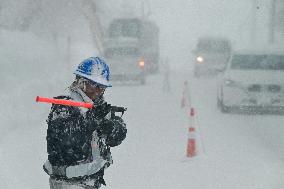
[99,80]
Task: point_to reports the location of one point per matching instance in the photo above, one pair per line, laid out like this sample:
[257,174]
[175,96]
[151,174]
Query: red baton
[64,102]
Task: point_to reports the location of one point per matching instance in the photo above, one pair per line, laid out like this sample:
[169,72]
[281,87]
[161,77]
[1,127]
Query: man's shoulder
[63,111]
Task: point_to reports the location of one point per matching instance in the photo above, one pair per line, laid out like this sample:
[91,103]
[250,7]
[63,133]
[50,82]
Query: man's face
[94,90]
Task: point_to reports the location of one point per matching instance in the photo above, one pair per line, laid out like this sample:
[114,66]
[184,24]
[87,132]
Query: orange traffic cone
[191,143]
[191,149]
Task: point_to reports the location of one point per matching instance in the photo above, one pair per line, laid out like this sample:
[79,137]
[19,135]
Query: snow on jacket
[75,145]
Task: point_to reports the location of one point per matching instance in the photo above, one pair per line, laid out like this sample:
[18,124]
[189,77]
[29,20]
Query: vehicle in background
[211,55]
[132,48]
[125,61]
[252,82]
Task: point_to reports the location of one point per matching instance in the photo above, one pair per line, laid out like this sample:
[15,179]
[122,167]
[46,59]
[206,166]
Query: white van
[211,55]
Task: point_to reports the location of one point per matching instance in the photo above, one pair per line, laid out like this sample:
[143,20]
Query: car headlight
[229,82]
[141,63]
[199,59]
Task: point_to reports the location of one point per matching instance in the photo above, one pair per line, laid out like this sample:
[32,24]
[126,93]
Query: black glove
[101,111]
[105,128]
[114,131]
[95,116]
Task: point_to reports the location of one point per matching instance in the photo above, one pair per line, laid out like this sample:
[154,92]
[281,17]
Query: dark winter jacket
[79,139]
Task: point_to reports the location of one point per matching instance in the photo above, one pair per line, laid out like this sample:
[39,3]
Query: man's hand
[102,110]
[114,131]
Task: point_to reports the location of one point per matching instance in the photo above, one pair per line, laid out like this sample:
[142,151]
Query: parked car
[252,81]
[211,55]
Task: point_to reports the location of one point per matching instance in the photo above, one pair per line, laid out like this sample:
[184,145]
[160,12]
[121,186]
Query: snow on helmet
[94,69]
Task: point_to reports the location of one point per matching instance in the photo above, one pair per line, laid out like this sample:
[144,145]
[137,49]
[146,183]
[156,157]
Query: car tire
[142,81]
[223,108]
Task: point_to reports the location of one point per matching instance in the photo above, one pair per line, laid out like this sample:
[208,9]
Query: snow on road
[240,151]
[236,154]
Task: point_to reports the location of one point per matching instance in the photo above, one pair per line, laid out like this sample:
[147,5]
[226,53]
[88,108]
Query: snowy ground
[239,151]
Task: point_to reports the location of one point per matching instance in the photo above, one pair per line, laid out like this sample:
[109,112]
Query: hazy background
[181,22]
[42,42]
[245,22]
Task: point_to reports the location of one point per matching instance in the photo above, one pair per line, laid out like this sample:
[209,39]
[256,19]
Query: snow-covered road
[239,151]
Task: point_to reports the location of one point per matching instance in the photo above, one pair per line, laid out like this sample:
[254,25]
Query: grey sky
[183,21]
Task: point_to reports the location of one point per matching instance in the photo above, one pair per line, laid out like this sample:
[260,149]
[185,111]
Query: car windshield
[126,28]
[125,51]
[258,62]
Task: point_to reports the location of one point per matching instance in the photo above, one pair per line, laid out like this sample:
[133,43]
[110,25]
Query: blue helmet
[94,69]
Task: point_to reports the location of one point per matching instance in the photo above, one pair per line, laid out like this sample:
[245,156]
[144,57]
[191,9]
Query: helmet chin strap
[82,84]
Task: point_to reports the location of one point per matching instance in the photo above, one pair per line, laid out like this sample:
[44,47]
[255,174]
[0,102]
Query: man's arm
[68,138]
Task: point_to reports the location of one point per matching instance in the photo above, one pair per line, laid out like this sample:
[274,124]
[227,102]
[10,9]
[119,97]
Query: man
[166,72]
[79,139]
